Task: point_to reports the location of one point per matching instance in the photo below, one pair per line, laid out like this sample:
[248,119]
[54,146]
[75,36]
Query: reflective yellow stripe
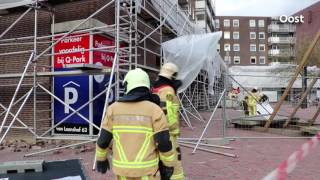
[132,128]
[138,162]
[176,131]
[177,176]
[130,131]
[119,147]
[145,164]
[123,178]
[144,148]
[145,178]
[171,113]
[167,158]
[101,153]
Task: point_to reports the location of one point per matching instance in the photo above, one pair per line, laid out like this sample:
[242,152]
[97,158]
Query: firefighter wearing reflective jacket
[139,130]
[253,98]
[166,88]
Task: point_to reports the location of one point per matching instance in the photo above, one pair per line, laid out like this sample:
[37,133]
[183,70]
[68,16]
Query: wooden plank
[298,70]
[315,116]
[314,80]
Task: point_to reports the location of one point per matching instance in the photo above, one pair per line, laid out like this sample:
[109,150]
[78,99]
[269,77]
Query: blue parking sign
[74,92]
[99,84]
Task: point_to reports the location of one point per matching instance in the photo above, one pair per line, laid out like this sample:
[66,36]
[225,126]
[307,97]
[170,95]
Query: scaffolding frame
[125,29]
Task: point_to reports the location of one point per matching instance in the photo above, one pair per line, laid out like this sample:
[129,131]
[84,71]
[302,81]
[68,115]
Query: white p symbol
[70,97]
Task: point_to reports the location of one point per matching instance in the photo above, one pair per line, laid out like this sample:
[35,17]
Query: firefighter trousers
[252,110]
[178,173]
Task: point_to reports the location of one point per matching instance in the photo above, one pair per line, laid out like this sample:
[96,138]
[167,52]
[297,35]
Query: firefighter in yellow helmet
[166,88]
[139,130]
[252,100]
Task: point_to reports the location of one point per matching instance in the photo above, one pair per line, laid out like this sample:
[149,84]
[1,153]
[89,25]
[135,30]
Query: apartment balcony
[281,40]
[281,53]
[285,28]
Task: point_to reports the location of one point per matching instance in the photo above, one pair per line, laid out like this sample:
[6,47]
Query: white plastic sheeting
[274,76]
[5,4]
[191,53]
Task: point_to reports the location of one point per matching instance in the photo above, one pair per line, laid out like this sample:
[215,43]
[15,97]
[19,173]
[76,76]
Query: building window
[226,35]
[253,47]
[227,47]
[262,47]
[262,60]
[252,35]
[236,60]
[227,59]
[236,47]
[261,23]
[200,17]
[235,23]
[226,23]
[252,23]
[236,35]
[261,35]
[217,23]
[253,60]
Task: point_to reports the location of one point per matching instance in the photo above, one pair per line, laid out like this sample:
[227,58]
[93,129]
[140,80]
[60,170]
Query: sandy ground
[256,157]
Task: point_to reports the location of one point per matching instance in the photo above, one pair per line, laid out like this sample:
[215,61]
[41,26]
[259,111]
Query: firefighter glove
[165,172]
[103,166]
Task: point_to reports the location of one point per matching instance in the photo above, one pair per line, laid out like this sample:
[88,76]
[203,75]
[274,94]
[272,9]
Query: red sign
[101,56]
[71,50]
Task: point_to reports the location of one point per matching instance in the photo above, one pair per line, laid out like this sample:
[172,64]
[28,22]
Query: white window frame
[227,59]
[261,23]
[264,47]
[226,35]
[237,22]
[236,45]
[255,47]
[226,23]
[233,35]
[255,35]
[225,47]
[253,57]
[252,23]
[217,23]
[264,35]
[238,59]
[264,59]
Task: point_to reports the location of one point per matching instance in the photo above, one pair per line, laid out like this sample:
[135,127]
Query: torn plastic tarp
[191,53]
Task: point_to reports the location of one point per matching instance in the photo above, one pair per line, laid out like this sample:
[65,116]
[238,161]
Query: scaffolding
[138,29]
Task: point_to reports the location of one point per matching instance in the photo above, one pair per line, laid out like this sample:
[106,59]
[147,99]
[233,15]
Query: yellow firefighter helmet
[136,78]
[169,70]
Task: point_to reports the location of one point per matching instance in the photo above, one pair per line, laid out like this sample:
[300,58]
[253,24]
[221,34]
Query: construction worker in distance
[166,88]
[140,134]
[253,98]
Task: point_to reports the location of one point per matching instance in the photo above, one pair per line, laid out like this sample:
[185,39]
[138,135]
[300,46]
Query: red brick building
[244,40]
[311,25]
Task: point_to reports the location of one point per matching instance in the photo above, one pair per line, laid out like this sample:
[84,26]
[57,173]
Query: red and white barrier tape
[288,165]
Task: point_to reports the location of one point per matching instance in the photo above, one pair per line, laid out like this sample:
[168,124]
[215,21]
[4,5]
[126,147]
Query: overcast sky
[260,7]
